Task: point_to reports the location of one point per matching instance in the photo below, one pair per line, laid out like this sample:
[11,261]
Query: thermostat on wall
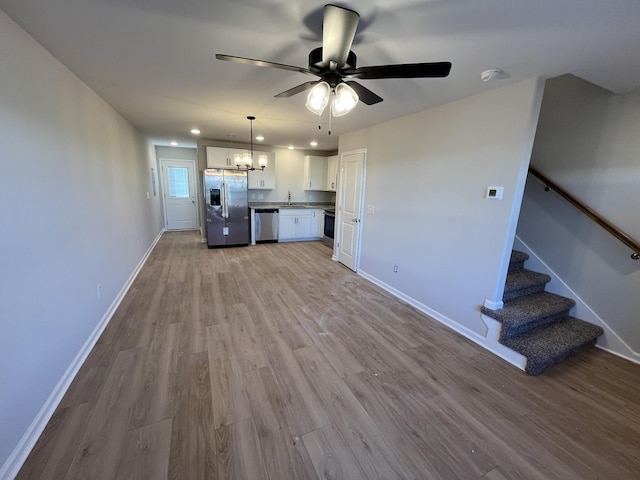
[495,192]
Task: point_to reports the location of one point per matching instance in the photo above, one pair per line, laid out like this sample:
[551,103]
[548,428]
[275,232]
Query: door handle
[356,220]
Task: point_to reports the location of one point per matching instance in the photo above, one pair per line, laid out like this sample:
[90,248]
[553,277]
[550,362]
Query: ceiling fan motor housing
[317,67]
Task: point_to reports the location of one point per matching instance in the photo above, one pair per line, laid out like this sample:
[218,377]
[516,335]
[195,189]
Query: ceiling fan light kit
[343,100]
[318,98]
[334,62]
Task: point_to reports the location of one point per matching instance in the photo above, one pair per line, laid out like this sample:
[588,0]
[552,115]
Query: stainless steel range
[329,225]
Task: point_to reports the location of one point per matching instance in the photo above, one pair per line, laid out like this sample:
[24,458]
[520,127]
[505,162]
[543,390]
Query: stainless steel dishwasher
[266,223]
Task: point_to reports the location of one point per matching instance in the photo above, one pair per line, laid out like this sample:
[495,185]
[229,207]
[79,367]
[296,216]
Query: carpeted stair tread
[530,311]
[550,344]
[524,282]
[537,305]
[517,260]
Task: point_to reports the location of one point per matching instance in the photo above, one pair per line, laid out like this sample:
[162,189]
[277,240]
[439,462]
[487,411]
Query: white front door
[350,208]
[178,186]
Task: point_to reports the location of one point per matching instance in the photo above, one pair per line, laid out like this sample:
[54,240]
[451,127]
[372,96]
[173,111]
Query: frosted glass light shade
[237,159]
[246,160]
[343,100]
[262,161]
[318,98]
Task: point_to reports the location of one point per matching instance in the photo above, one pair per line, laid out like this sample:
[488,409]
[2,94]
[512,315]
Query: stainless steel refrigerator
[225,194]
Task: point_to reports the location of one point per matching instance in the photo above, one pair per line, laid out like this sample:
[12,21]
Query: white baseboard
[610,341]
[489,341]
[20,453]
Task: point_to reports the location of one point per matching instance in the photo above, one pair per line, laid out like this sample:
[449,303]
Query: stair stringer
[491,343]
[610,340]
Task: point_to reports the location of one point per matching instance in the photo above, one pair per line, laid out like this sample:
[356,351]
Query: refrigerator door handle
[225,200]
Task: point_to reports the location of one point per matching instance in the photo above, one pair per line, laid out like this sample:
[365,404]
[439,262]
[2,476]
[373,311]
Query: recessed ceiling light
[195,131]
[314,143]
[174,143]
[259,138]
[290,147]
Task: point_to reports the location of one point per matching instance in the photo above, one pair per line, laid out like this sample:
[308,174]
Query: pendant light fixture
[245,161]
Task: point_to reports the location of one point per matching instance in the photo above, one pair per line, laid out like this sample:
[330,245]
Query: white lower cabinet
[298,224]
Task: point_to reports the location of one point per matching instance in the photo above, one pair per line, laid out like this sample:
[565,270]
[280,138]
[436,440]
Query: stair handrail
[593,215]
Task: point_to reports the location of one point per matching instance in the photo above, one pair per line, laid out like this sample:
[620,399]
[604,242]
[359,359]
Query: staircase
[536,323]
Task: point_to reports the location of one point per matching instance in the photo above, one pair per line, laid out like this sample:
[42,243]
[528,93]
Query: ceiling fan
[335,64]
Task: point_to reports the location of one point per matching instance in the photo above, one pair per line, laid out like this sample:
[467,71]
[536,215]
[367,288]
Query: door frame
[163,188]
[338,223]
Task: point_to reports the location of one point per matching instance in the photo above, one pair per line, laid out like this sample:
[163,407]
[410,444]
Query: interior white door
[179,187]
[350,208]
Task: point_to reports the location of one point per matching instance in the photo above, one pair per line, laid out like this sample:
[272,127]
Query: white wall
[588,142]
[73,213]
[426,176]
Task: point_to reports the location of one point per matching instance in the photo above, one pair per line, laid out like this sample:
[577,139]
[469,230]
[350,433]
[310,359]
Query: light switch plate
[225,230]
[495,192]
[371,209]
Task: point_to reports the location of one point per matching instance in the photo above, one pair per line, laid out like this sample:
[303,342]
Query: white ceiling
[153,60]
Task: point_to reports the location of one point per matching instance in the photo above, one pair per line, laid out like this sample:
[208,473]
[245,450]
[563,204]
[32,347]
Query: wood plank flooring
[274,362]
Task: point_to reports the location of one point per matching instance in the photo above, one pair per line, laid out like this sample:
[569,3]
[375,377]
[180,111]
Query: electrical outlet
[395,269]
[99,290]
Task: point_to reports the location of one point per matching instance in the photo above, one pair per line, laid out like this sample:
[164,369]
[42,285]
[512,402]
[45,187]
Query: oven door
[329,225]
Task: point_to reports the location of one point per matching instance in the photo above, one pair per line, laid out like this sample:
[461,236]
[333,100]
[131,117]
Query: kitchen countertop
[321,206]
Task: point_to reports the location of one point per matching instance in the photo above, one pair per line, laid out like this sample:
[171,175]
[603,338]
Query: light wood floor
[274,362]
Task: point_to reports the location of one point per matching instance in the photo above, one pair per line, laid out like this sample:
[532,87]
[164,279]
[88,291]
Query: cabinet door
[304,224]
[314,172]
[318,223]
[218,157]
[286,225]
[269,177]
[263,179]
[255,180]
[331,184]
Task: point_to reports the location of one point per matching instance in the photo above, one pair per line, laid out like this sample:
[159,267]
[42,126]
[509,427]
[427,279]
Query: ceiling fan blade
[261,63]
[364,94]
[338,29]
[298,89]
[404,70]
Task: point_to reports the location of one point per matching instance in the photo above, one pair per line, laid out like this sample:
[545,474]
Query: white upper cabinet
[331,180]
[263,179]
[314,172]
[222,157]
